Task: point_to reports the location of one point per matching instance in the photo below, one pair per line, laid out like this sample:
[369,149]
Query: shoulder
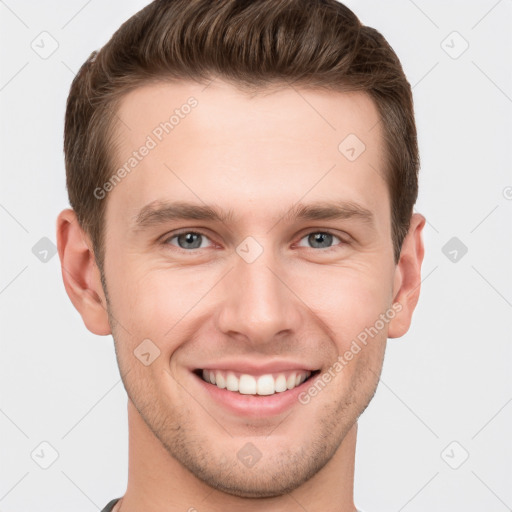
[110,505]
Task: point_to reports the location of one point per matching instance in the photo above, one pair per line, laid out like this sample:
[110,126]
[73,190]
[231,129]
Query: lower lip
[254,406]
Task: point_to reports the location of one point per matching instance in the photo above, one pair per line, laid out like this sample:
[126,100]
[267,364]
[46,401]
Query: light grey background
[448,380]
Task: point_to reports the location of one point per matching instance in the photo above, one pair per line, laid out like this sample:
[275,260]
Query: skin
[257,155]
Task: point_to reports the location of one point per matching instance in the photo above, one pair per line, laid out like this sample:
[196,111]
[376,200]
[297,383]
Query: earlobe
[80,273]
[407,281]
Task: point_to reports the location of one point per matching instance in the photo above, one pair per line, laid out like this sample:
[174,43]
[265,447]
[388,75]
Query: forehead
[218,144]
[220,106]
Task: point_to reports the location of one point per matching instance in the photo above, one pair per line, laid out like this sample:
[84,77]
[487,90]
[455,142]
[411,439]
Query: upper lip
[253,368]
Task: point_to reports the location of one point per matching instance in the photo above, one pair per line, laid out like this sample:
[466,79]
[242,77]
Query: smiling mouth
[263,385]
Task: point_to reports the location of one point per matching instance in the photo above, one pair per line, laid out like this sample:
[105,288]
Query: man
[242,176]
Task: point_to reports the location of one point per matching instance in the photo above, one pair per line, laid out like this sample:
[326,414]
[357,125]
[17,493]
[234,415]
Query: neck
[159,483]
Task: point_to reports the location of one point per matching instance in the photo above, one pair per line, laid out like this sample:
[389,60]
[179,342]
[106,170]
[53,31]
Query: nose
[259,304]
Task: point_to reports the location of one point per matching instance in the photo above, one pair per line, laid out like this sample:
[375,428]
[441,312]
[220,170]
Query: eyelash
[167,239]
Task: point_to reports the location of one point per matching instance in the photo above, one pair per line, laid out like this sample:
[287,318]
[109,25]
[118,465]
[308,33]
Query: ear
[80,273]
[407,281]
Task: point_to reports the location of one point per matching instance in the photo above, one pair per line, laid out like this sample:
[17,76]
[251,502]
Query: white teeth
[280,384]
[265,385]
[231,382]
[249,385]
[220,381]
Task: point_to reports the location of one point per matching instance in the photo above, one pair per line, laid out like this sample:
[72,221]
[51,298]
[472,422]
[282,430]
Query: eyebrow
[159,212]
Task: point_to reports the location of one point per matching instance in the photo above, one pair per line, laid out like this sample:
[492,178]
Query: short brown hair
[253,44]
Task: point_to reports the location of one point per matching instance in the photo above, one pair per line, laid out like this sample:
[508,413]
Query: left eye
[320,239]
[188,240]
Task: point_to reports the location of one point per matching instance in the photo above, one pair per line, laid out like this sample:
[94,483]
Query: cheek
[348,300]
[151,302]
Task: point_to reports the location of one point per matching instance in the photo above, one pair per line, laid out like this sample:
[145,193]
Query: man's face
[261,292]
